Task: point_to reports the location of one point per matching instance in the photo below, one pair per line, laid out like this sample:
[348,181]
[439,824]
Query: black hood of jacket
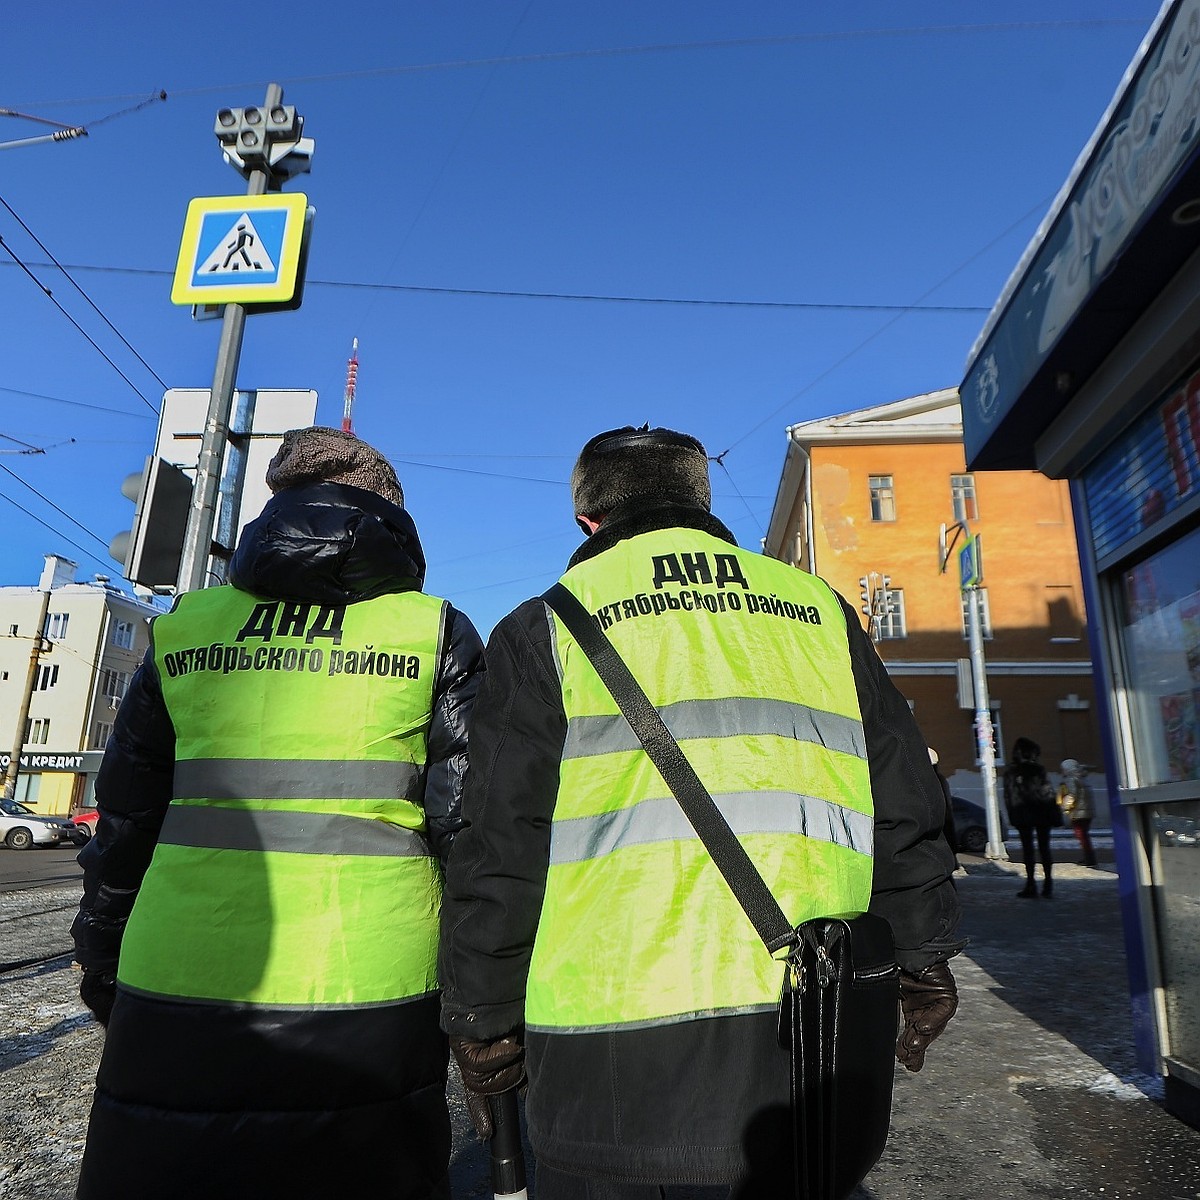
[329,544]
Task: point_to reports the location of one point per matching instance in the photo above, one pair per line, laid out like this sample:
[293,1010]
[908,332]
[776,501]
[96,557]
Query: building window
[47,677]
[985,614]
[102,733]
[889,623]
[114,684]
[37,731]
[12,631]
[962,497]
[122,634]
[883,498]
[56,626]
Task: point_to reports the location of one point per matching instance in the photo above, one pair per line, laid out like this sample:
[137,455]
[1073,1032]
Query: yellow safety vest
[292,867]
[746,660]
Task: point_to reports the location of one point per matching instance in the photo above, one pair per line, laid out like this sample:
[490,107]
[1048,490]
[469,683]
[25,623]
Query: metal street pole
[198,541]
[14,762]
[984,730]
[971,574]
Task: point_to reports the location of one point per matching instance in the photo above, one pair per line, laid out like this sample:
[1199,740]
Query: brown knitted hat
[321,455]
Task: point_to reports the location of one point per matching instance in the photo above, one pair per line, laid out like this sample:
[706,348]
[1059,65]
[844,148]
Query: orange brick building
[866,493]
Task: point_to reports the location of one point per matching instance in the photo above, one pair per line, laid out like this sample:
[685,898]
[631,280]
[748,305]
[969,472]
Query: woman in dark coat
[1032,809]
[204,1097]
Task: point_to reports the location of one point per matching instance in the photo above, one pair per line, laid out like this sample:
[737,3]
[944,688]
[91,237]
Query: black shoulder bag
[840,1003]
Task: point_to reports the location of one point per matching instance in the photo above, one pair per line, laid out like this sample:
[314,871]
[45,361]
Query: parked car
[1178,831]
[83,825]
[970,825]
[21,827]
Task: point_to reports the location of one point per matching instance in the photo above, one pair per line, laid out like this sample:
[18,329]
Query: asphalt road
[38,866]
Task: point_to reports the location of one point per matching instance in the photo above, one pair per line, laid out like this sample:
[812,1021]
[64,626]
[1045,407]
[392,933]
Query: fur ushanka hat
[639,464]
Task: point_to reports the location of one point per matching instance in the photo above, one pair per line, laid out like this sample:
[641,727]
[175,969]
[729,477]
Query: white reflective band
[734,716]
[662,820]
[294,779]
[213,828]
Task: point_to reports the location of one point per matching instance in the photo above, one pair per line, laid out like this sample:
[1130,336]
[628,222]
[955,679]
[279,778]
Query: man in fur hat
[588,941]
[290,755]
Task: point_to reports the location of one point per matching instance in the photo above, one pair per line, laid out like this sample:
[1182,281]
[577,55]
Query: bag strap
[728,854]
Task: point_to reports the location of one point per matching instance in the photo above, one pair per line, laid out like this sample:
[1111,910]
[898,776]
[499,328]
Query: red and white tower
[351,384]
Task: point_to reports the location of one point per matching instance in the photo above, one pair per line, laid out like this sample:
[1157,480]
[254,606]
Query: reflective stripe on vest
[300,779]
[753,677]
[300,877]
[662,820]
[291,832]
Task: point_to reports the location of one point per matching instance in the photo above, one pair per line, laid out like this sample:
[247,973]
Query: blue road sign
[240,249]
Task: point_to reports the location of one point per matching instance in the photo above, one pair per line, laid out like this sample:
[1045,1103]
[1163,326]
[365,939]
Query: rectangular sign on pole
[240,249]
[970,567]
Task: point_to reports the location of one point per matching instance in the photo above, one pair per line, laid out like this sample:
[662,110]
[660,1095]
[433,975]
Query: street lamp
[970,577]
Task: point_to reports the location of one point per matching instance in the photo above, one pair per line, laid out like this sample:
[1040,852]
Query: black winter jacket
[669,1103]
[211,1100]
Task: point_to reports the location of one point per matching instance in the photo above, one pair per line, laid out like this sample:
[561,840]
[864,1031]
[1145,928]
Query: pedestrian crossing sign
[240,249]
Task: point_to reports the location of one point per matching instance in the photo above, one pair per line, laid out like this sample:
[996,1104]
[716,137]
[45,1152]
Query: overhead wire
[57,533]
[594,297]
[719,459]
[624,51]
[99,350]
[1037,208]
[27,448]
[62,512]
[116,412]
[95,307]
[450,150]
[408,462]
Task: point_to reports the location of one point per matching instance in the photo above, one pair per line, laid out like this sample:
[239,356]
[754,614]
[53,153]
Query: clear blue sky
[841,191]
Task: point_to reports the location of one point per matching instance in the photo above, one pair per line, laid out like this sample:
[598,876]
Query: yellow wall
[55,793]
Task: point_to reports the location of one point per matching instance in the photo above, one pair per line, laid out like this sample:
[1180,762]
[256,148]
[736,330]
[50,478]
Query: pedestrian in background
[1075,798]
[285,773]
[1032,806]
[584,923]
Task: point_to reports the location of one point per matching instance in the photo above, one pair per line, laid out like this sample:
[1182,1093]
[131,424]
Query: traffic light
[864,594]
[150,552]
[258,138]
[885,596]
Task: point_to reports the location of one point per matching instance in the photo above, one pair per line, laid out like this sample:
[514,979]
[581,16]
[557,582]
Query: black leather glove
[488,1068]
[928,1000]
[98,990]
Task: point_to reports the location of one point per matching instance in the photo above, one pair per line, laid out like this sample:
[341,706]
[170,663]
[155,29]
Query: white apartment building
[94,637]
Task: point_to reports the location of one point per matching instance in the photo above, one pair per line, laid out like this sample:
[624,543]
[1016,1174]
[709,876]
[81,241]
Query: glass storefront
[1174,836]
[1160,635]
[1160,643]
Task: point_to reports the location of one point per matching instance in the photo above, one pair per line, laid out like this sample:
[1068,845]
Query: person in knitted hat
[291,753]
[587,942]
[319,454]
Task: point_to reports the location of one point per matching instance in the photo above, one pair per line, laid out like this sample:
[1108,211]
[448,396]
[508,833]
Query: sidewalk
[1031,1094]
[1033,1090]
